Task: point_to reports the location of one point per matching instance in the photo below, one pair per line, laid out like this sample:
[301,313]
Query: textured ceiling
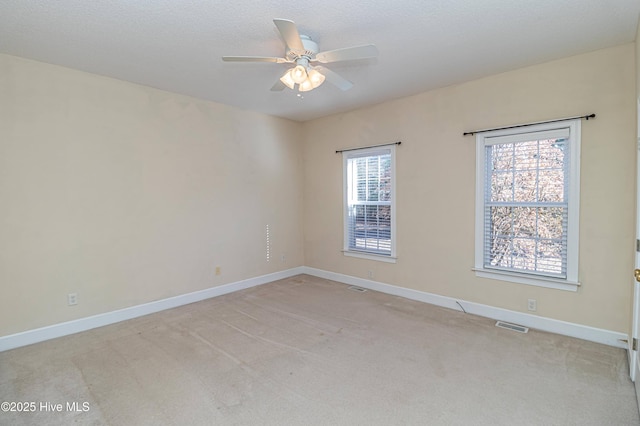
[423,44]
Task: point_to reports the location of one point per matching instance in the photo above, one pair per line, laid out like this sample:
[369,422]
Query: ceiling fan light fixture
[303,52]
[288,80]
[306,85]
[299,74]
[316,78]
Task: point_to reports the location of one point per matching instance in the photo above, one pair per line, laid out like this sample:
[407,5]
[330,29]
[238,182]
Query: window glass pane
[527,237]
[551,185]
[552,153]
[384,193]
[550,222]
[525,155]
[500,253]
[372,228]
[373,178]
[524,221]
[501,156]
[361,184]
[524,254]
[369,204]
[500,222]
[529,171]
[550,255]
[524,186]
[502,186]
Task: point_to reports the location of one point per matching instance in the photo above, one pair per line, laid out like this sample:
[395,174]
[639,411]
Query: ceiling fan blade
[348,54]
[336,79]
[289,33]
[278,86]
[253,59]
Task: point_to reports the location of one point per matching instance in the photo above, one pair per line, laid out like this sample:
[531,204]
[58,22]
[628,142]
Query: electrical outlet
[532,305]
[370,274]
[72,299]
[218,270]
[283,258]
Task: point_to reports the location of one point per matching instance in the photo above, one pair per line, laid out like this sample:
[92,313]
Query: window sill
[538,281]
[370,256]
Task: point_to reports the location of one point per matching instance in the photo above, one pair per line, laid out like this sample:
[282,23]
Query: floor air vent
[360,289]
[512,327]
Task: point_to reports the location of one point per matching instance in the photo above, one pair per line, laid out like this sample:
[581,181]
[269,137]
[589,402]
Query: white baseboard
[607,337]
[58,330]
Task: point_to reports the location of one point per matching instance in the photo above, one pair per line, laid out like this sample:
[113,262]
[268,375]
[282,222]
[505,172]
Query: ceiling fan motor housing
[309,52]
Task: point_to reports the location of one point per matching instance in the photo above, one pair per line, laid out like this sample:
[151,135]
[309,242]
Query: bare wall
[637,44]
[436,183]
[127,194]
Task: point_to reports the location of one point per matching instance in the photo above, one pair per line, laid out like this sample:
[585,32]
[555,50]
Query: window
[527,200]
[369,218]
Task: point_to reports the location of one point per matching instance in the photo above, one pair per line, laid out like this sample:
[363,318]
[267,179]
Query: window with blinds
[528,199]
[369,207]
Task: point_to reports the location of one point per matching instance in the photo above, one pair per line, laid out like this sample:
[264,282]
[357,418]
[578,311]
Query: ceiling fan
[303,52]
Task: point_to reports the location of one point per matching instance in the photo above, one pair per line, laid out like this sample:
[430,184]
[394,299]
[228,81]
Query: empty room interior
[353,213]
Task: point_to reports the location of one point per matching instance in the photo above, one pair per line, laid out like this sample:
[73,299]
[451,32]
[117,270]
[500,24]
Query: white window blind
[369,208]
[528,202]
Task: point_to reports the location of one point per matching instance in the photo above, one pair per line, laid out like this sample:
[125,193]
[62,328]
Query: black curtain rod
[530,124]
[366,147]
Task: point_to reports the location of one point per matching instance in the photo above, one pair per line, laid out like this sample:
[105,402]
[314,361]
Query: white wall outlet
[72,299]
[370,274]
[532,305]
[283,258]
[218,270]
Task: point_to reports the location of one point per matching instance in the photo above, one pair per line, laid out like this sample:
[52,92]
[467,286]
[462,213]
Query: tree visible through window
[528,200]
[369,201]
[527,206]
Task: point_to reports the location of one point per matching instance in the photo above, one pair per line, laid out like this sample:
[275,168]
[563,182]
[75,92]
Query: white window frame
[347,251]
[571,282]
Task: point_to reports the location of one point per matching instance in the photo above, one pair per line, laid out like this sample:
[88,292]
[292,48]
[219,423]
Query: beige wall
[436,183]
[638,59]
[126,194]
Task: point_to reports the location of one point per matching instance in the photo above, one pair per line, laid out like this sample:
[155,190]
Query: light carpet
[309,351]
